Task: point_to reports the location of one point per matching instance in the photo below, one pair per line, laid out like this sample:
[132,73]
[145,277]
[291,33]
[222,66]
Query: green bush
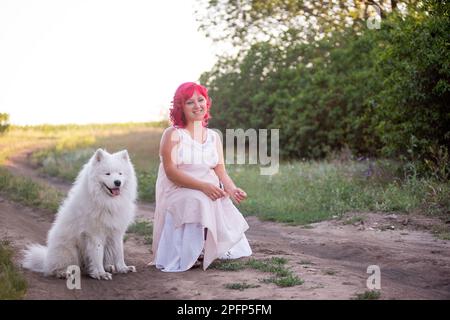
[412,114]
[380,92]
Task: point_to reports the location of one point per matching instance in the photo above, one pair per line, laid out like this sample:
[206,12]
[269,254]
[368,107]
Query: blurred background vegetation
[4,122]
[317,71]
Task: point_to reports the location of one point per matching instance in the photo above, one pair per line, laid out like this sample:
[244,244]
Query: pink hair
[183,93]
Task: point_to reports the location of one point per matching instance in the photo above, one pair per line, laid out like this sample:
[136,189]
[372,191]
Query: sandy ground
[331,257]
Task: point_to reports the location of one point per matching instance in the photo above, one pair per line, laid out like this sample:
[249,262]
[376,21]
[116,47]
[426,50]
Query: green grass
[28,192]
[282,276]
[240,286]
[444,236]
[287,281]
[368,295]
[142,228]
[441,231]
[12,284]
[273,265]
[228,265]
[307,192]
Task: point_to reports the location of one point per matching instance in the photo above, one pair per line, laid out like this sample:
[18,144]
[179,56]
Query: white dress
[183,214]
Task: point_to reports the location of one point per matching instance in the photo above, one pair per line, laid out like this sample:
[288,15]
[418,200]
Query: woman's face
[195,108]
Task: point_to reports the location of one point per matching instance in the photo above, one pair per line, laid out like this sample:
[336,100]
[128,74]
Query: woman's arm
[237,194]
[168,151]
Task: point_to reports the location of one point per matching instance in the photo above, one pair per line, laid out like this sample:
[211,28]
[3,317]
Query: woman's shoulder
[172,129]
[214,133]
[171,133]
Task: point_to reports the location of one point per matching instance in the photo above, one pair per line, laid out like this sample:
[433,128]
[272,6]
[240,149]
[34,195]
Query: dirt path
[331,257]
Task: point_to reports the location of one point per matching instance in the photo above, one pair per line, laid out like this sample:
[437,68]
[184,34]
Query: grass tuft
[275,265]
[241,286]
[368,295]
[142,228]
[28,192]
[12,284]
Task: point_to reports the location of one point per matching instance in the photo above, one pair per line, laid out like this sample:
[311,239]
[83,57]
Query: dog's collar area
[113,192]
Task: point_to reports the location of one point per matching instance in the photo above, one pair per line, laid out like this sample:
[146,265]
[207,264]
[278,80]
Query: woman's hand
[213,191]
[238,195]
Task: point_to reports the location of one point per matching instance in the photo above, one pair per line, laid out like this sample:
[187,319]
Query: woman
[195,218]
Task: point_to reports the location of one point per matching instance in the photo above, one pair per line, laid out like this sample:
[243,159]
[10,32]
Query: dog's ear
[124,155]
[99,155]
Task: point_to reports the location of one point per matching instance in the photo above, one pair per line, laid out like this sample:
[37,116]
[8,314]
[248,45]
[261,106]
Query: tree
[318,94]
[380,92]
[245,22]
[412,111]
[4,122]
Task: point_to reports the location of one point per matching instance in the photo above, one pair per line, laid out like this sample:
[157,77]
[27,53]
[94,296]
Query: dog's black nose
[117,183]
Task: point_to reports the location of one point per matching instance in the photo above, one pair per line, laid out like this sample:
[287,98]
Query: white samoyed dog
[89,226]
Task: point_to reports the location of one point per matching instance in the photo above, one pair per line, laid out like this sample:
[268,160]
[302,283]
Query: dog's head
[113,172]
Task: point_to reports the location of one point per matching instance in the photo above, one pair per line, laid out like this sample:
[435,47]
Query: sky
[97,61]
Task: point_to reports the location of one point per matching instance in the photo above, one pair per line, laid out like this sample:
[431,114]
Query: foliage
[316,94]
[245,22]
[412,111]
[379,92]
[4,122]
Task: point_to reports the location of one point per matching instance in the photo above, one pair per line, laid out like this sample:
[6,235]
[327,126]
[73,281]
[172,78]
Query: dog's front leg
[95,251]
[118,256]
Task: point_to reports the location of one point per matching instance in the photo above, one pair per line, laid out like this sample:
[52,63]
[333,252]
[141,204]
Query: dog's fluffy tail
[34,257]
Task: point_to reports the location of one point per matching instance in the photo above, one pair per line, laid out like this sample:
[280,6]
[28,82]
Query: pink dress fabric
[182,214]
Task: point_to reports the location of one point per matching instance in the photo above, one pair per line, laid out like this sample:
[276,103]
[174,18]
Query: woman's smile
[198,111]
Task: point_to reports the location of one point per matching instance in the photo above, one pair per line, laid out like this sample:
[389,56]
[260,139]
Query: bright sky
[84,61]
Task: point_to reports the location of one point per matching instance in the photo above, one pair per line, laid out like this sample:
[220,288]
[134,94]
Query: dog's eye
[120,173]
[108,174]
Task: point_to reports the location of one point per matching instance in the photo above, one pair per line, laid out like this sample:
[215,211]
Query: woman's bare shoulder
[216,134]
[171,134]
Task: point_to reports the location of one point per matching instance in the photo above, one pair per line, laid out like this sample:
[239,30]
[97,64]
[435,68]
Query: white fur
[89,226]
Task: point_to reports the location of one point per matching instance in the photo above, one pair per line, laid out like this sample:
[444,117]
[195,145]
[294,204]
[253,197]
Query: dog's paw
[126,269]
[101,275]
[110,268]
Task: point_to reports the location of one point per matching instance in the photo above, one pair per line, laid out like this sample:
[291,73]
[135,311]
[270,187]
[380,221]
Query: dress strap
[212,135]
[180,132]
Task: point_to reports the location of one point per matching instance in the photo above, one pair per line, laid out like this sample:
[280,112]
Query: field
[342,196]
[301,192]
